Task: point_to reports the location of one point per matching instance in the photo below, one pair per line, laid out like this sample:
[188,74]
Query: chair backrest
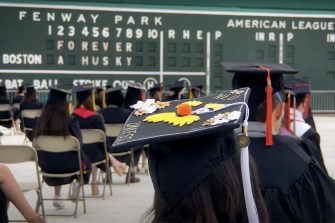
[17,154]
[5,107]
[113,130]
[93,136]
[31,113]
[16,105]
[56,144]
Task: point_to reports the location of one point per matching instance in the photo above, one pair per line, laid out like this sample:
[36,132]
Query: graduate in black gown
[55,120]
[115,113]
[295,186]
[299,127]
[30,101]
[100,98]
[20,95]
[16,101]
[5,114]
[198,172]
[176,91]
[87,118]
[134,93]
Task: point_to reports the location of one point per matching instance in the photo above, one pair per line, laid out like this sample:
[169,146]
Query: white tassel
[245,171]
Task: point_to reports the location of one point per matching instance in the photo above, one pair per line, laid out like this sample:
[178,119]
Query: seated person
[17,100]
[11,192]
[84,113]
[100,98]
[197,170]
[30,101]
[55,120]
[177,91]
[5,114]
[134,93]
[114,113]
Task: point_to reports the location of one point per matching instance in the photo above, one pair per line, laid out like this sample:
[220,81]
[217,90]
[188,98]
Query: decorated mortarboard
[188,140]
[264,79]
[181,118]
[82,92]
[56,94]
[155,88]
[135,93]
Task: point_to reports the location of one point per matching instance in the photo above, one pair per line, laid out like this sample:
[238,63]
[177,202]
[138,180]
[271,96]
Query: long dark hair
[54,119]
[218,198]
[30,96]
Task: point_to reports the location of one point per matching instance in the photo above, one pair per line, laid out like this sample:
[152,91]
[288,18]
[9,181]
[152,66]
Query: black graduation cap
[30,89]
[115,96]
[264,79]
[56,94]
[21,89]
[178,85]
[82,92]
[134,93]
[301,89]
[298,85]
[99,89]
[185,147]
[155,88]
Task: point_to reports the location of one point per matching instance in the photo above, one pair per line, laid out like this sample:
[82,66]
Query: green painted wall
[70,43]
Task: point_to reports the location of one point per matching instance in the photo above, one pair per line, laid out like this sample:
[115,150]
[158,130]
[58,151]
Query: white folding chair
[31,114]
[61,144]
[113,130]
[98,136]
[8,108]
[13,154]
[16,105]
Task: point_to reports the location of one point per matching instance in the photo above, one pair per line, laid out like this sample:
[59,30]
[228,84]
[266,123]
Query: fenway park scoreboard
[46,44]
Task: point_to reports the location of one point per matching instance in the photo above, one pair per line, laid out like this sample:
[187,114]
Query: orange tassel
[287,115]
[269,141]
[308,101]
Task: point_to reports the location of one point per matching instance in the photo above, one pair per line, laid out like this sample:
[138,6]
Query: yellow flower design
[215,106]
[172,118]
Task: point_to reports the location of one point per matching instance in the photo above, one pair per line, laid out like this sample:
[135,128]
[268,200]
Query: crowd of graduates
[289,180]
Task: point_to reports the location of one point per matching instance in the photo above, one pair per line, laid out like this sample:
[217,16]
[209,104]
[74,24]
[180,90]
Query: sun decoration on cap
[182,116]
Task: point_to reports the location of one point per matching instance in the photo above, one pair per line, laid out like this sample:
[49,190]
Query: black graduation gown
[116,115]
[17,99]
[30,123]
[309,119]
[50,162]
[314,137]
[5,114]
[294,185]
[3,208]
[92,120]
